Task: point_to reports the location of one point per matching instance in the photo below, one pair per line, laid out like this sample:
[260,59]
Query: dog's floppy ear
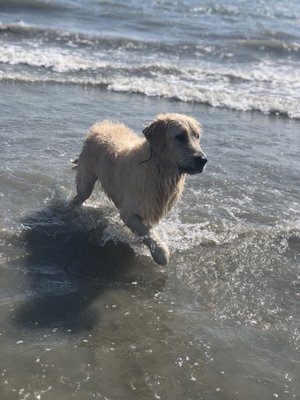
[155,133]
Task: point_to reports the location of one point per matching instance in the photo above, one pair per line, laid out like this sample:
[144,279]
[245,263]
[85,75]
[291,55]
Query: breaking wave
[182,91]
[133,66]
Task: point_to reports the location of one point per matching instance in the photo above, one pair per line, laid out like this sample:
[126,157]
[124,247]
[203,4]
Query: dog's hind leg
[158,249]
[85,182]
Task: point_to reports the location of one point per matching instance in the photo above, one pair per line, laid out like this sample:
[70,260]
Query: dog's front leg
[157,247]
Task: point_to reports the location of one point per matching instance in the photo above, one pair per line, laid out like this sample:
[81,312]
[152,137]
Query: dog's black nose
[200,160]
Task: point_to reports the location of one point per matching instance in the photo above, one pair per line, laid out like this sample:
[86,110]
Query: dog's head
[175,138]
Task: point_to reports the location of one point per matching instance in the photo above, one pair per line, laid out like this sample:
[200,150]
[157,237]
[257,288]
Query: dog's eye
[182,137]
[197,136]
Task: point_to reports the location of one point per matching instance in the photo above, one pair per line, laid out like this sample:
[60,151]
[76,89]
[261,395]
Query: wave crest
[132,66]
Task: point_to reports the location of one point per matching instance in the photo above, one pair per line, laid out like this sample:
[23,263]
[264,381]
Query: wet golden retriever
[144,177]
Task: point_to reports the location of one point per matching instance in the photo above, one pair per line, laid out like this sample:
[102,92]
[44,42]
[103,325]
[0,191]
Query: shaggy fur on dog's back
[129,174]
[144,177]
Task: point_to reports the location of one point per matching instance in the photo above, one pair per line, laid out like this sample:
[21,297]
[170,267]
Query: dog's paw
[158,249]
[160,253]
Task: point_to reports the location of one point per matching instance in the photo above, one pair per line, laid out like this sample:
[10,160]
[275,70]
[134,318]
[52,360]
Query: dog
[144,177]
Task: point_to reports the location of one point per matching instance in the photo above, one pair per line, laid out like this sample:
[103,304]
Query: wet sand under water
[84,311]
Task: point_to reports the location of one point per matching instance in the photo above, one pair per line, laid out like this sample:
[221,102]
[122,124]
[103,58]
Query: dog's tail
[76,163]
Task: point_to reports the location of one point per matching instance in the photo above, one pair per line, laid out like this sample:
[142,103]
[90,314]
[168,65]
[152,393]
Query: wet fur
[137,173]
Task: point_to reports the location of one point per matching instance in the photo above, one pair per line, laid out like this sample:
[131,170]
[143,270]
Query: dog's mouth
[193,167]
[189,170]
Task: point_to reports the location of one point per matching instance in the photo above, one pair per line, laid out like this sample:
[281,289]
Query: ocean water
[84,311]
[233,54]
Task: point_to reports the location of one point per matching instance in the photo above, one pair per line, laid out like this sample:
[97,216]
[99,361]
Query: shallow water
[85,313]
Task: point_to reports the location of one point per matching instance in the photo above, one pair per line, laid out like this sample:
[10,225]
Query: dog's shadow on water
[68,268]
